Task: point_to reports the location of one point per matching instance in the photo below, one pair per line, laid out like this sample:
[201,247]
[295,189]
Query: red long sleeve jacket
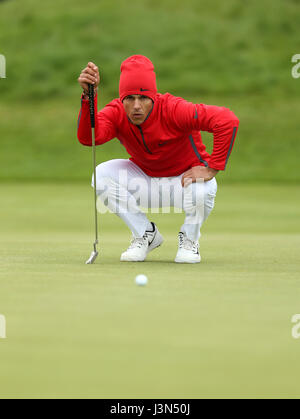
[168,143]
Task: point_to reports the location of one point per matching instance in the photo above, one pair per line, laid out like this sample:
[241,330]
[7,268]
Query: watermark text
[2,327]
[122,193]
[296,328]
[2,67]
[296,67]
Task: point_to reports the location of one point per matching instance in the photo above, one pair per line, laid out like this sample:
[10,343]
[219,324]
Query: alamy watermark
[296,68]
[296,328]
[2,327]
[123,193]
[2,67]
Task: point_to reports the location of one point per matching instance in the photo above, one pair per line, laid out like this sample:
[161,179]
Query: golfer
[168,166]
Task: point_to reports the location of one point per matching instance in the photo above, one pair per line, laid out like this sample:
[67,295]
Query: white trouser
[124,188]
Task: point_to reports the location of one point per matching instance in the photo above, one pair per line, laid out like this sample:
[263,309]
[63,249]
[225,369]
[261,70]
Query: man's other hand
[198,172]
[89,75]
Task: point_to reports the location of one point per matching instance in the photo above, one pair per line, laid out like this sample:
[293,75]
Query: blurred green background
[235,54]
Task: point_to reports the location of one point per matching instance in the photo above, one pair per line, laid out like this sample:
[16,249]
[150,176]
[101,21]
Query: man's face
[137,108]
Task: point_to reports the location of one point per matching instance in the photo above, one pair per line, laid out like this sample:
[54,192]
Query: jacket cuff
[86,100]
[216,166]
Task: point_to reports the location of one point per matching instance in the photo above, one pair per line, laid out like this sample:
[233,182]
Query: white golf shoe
[139,248]
[188,250]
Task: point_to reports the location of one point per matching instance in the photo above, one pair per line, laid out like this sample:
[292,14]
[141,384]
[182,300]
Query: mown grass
[218,329]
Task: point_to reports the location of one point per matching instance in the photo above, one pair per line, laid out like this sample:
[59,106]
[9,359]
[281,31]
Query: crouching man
[161,133]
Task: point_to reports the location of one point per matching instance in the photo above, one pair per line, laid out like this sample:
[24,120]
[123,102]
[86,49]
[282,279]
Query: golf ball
[141,280]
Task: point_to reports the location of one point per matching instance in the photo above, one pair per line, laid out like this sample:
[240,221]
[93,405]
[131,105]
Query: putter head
[92,258]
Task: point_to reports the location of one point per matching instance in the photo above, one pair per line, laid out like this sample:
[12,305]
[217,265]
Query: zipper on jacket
[142,134]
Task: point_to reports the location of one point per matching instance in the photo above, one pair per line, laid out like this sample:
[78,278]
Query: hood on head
[137,77]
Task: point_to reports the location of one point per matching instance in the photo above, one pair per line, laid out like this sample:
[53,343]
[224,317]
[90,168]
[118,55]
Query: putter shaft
[94,254]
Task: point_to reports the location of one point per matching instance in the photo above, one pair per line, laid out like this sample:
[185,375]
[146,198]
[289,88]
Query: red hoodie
[168,142]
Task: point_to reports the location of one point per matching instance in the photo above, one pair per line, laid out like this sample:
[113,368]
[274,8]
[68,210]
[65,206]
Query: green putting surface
[221,328]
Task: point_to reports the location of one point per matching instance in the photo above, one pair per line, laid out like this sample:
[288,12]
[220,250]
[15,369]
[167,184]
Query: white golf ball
[141,280]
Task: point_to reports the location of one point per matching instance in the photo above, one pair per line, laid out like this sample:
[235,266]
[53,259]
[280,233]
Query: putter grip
[92,107]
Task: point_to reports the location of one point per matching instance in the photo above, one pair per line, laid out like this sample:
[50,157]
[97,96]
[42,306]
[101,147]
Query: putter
[94,253]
